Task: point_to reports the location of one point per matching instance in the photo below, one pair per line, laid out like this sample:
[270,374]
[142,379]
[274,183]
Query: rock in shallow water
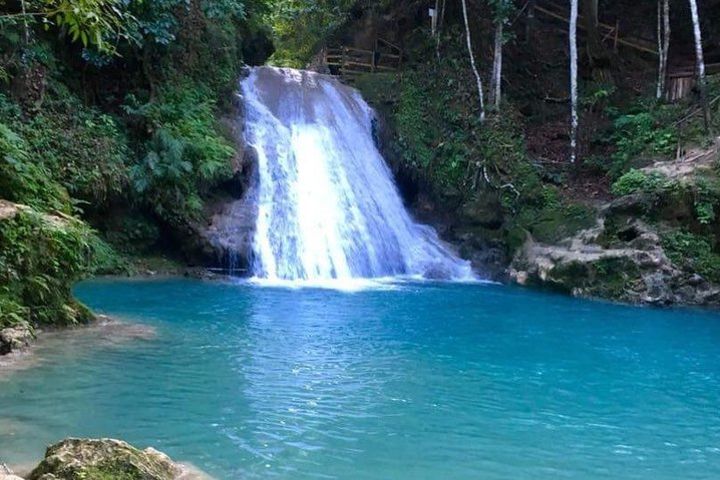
[107,459]
[15,338]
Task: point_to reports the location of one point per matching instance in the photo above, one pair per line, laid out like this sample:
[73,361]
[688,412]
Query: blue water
[418,381]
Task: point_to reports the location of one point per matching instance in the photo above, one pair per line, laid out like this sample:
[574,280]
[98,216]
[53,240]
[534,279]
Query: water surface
[414,381]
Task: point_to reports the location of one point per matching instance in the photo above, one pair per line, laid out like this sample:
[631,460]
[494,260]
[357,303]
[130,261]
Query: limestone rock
[226,237]
[81,459]
[15,338]
[9,476]
[6,474]
[632,267]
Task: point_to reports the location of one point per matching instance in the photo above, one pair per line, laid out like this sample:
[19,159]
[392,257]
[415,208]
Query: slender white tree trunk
[472,61]
[496,87]
[663,26]
[439,29]
[25,22]
[700,62]
[573,81]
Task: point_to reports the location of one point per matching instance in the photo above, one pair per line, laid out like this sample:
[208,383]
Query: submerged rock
[107,459]
[15,338]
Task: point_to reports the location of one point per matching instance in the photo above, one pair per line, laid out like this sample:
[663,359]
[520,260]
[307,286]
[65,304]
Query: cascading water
[327,204]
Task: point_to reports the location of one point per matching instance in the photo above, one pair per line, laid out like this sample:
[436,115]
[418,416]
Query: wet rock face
[484,211]
[227,237]
[105,459]
[224,239]
[15,338]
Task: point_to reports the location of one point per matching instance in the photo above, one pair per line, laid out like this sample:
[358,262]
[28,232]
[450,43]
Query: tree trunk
[702,84]
[573,80]
[598,55]
[440,19]
[530,21]
[663,26]
[496,87]
[472,60]
[594,45]
[26,27]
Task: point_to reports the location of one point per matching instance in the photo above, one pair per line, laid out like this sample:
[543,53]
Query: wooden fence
[609,33]
[681,80]
[351,61]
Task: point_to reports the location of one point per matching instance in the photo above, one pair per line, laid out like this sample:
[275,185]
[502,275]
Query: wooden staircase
[349,62]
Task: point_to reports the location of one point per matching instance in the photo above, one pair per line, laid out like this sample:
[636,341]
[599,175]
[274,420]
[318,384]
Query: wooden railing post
[617,35]
[343,61]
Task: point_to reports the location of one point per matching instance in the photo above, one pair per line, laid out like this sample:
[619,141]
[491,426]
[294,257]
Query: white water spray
[327,205]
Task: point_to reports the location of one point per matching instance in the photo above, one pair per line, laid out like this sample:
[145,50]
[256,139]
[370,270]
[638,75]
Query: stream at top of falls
[403,381]
[327,205]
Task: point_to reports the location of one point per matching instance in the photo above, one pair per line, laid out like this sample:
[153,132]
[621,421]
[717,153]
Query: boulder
[106,459]
[15,338]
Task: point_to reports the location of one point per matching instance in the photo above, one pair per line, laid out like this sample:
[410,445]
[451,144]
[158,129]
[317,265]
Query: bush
[25,181]
[646,132]
[635,181]
[41,257]
[693,253]
[85,151]
[186,155]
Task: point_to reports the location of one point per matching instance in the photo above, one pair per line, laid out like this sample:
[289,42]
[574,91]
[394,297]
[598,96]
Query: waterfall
[327,206]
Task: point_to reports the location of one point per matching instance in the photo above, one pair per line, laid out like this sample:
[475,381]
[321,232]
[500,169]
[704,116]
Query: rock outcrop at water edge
[108,459]
[637,271]
[15,338]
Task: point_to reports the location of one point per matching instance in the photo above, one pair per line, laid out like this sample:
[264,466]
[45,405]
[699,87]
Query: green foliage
[438,132]
[549,221]
[25,181]
[416,134]
[132,233]
[646,132]
[596,96]
[40,258]
[300,26]
[11,312]
[65,149]
[637,181]
[706,198]
[185,156]
[85,151]
[99,23]
[693,253]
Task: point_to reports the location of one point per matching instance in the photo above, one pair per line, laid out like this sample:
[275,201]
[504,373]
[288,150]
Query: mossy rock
[612,278]
[41,256]
[104,459]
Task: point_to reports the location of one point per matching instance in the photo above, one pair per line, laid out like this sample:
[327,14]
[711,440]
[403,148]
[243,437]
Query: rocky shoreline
[23,346]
